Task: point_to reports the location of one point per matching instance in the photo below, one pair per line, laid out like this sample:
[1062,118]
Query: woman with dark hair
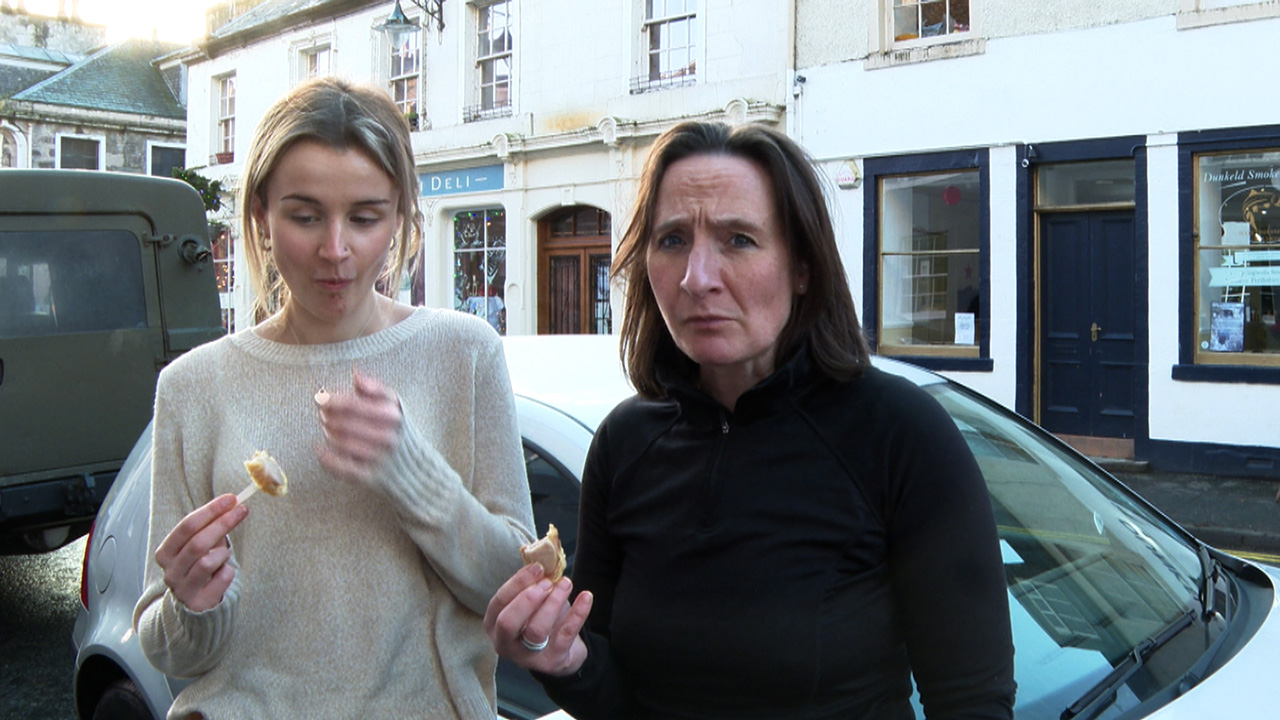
[771,527]
[359,592]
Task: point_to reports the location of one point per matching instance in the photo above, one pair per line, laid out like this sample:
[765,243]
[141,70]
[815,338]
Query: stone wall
[62,34]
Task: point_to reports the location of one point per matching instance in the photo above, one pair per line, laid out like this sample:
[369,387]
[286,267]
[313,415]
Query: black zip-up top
[798,557]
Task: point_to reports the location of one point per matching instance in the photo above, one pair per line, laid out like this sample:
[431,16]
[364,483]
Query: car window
[554,493]
[65,282]
[1091,572]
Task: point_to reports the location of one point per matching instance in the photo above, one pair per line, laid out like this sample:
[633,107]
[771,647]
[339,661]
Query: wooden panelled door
[1087,330]
[574,255]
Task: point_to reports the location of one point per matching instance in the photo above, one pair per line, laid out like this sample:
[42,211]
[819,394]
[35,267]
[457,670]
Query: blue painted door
[1087,323]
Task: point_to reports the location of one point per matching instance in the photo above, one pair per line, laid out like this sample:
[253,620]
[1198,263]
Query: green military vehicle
[104,278]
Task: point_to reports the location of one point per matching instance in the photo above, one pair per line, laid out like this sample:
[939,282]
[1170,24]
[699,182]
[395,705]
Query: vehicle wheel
[122,701]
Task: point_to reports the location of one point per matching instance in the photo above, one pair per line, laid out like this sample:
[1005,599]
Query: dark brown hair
[824,315]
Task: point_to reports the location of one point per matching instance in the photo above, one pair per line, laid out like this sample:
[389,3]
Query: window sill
[476,112]
[941,362]
[1192,19]
[1227,374]
[943,50]
[644,84]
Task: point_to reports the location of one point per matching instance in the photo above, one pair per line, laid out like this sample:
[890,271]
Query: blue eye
[741,240]
[667,242]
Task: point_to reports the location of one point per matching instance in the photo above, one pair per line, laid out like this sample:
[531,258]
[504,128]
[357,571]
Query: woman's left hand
[361,427]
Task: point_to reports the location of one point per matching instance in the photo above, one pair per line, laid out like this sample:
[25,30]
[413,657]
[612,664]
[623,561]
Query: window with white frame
[494,47]
[225,135]
[162,160]
[406,72]
[79,153]
[8,149]
[224,272]
[927,19]
[669,31]
[480,264]
[314,62]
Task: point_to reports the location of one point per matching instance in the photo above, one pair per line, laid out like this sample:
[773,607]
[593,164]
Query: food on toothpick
[267,476]
[547,553]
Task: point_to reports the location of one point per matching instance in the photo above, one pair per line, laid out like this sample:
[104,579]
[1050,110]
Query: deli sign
[467,180]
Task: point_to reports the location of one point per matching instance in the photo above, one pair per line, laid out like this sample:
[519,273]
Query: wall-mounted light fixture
[398,21]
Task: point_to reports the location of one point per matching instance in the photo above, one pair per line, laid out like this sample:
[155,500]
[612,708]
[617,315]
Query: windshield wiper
[1210,571]
[1100,696]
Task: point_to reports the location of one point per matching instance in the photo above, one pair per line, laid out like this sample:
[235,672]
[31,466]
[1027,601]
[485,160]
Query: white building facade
[1066,206]
[532,124]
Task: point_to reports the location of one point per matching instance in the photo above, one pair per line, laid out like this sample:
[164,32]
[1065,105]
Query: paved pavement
[1239,515]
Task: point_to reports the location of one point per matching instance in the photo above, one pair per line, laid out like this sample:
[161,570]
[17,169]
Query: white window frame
[466,299]
[303,51]
[99,139]
[411,107]
[21,154]
[642,80]
[483,19]
[885,51]
[224,115]
[151,145]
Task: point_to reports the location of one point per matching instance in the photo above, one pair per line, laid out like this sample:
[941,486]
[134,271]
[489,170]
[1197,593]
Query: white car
[1117,612]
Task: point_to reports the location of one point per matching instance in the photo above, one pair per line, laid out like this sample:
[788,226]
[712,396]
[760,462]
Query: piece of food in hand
[547,553]
[267,476]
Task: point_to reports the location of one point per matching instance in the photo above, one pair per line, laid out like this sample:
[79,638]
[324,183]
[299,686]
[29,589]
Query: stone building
[69,101]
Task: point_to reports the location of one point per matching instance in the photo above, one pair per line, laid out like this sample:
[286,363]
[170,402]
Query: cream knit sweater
[348,602]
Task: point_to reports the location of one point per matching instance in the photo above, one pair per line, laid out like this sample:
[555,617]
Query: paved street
[39,595]
[1239,515]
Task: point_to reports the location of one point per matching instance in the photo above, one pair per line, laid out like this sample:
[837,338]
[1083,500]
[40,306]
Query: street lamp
[398,21]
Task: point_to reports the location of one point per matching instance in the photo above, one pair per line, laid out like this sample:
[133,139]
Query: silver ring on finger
[534,647]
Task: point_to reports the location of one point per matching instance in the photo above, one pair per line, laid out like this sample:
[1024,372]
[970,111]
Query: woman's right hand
[195,554]
[528,607]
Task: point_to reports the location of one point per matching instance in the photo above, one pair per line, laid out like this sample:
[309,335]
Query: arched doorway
[574,254]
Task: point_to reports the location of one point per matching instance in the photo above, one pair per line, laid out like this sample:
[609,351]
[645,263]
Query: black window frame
[874,169]
[1191,144]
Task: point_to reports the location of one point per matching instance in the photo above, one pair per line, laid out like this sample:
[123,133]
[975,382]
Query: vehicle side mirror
[194,251]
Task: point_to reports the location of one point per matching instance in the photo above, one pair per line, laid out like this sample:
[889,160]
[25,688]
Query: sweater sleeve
[598,689]
[948,575]
[175,639]
[469,528]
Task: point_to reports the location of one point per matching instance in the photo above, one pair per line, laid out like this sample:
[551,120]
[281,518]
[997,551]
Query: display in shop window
[480,265]
[930,230]
[1238,234]
[1226,329]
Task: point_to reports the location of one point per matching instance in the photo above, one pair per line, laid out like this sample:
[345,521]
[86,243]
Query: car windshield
[1092,573]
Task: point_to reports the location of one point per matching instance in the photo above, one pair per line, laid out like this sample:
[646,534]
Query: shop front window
[930,263]
[1237,258]
[480,265]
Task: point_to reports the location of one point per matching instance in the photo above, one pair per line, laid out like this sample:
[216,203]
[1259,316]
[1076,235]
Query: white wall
[1130,79]
[1146,78]
[573,66]
[1229,413]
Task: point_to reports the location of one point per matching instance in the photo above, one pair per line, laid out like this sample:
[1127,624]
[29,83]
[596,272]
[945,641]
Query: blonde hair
[343,116]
